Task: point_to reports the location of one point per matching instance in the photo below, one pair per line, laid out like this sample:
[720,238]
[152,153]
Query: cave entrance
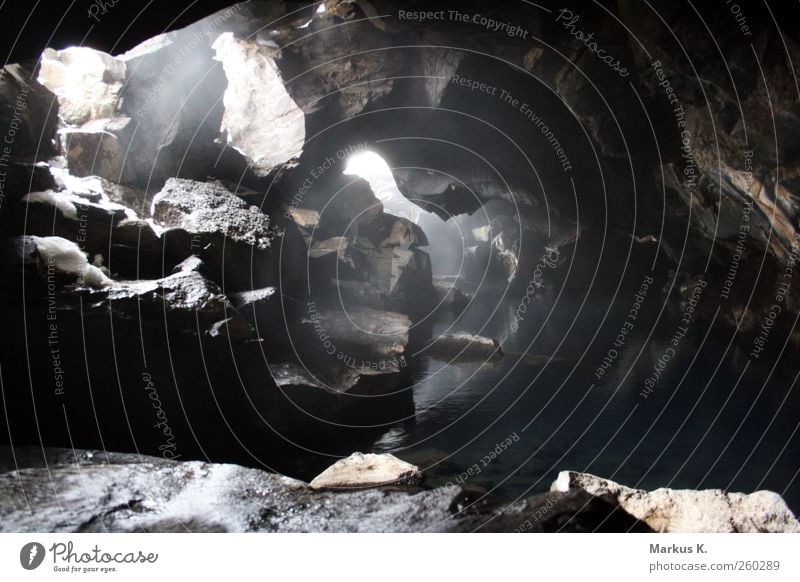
[446,242]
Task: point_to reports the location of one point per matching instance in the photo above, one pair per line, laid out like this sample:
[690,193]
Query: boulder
[191,303]
[261,121]
[232,238]
[449,299]
[361,333]
[689,511]
[28,116]
[360,471]
[87,83]
[56,260]
[93,152]
[208,208]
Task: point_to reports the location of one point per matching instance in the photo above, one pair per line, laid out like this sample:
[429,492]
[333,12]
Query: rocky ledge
[91,491]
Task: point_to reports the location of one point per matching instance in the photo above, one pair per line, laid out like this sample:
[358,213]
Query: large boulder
[689,511]
[261,120]
[360,471]
[232,238]
[87,83]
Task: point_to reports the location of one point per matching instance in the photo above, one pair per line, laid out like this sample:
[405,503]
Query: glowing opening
[374,169]
[321,8]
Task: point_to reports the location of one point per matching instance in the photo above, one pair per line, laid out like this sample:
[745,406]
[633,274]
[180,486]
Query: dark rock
[233,239]
[28,116]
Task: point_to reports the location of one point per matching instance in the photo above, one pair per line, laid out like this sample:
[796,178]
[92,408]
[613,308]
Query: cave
[462,237]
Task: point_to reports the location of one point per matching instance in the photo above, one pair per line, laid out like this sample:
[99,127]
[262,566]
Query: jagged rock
[63,490]
[402,276]
[191,303]
[233,239]
[208,208]
[85,491]
[361,332]
[304,218]
[466,345]
[28,116]
[57,261]
[87,83]
[261,120]
[93,153]
[689,511]
[404,233]
[449,298]
[337,244]
[360,471]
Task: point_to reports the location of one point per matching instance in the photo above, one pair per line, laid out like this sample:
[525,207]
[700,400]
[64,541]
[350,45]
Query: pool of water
[711,420]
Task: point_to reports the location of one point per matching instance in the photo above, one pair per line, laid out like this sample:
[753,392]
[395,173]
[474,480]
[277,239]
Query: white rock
[370,470]
[690,511]
[261,120]
[87,82]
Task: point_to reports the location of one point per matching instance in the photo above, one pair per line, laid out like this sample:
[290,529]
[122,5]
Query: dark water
[713,420]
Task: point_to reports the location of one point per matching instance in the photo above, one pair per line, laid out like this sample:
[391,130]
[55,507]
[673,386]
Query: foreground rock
[99,492]
[61,490]
[675,510]
[359,471]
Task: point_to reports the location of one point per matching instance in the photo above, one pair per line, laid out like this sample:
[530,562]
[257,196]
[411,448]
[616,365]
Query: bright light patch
[374,169]
[321,8]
